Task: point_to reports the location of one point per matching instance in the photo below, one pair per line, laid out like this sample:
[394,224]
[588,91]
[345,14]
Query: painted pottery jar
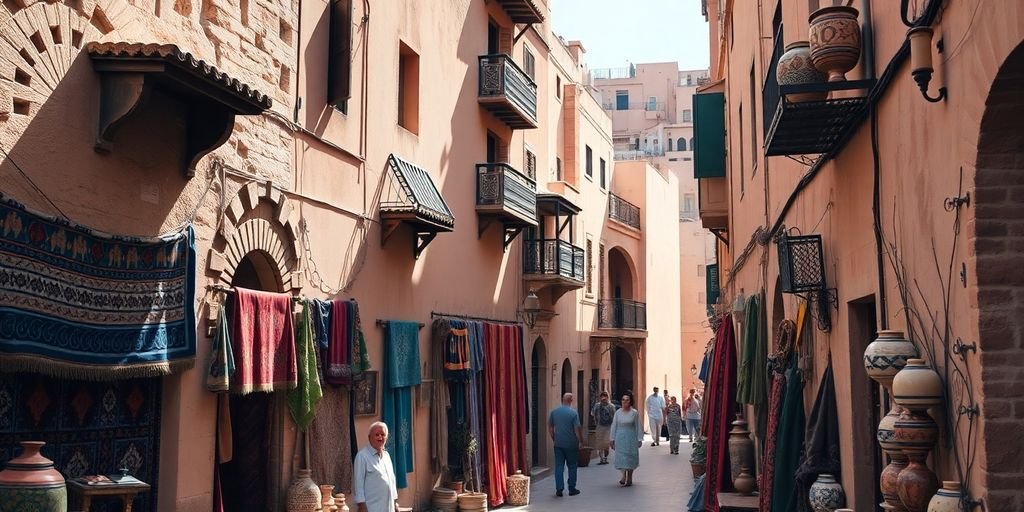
[917,386]
[947,499]
[744,482]
[916,484]
[741,447]
[915,433]
[519,489]
[339,501]
[826,494]
[887,355]
[795,68]
[327,497]
[31,484]
[835,41]
[888,481]
[303,495]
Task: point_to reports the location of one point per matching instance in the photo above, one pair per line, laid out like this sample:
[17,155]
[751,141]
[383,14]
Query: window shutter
[339,65]
[709,129]
[531,165]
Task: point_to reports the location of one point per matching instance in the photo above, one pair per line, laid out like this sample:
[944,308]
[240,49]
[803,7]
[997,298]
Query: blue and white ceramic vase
[826,494]
[31,484]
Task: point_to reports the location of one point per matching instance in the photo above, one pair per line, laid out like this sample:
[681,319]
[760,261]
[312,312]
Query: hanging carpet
[76,303]
[506,407]
[789,440]
[330,438]
[401,372]
[720,404]
[263,342]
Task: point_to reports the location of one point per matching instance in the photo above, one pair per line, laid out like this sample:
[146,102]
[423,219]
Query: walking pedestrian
[674,419]
[664,421]
[692,407]
[627,435]
[373,479]
[655,406]
[567,435]
[603,413]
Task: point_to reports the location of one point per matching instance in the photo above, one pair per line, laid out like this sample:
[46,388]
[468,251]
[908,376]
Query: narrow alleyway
[662,482]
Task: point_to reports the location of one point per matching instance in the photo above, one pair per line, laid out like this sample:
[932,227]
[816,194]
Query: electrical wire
[33,184]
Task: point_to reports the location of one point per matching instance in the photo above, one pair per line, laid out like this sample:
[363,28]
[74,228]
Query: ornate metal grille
[621,314]
[623,211]
[801,263]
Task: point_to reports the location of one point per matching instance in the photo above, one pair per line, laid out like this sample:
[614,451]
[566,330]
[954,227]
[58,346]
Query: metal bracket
[960,348]
[954,203]
[421,242]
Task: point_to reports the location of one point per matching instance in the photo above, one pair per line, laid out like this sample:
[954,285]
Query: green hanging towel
[222,360]
[303,399]
[360,357]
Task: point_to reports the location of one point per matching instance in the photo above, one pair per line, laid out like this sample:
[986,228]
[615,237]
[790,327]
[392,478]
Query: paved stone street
[662,482]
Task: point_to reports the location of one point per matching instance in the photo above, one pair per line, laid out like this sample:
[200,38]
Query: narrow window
[558,87]
[339,64]
[408,89]
[681,144]
[700,270]
[753,123]
[531,164]
[601,169]
[590,163]
[558,169]
[742,161]
[621,100]
[600,269]
[668,141]
[687,116]
[590,267]
[652,103]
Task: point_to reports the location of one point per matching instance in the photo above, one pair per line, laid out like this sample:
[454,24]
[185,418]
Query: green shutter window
[709,129]
[711,275]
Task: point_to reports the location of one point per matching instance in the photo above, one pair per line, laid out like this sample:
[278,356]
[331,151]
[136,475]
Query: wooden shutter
[531,165]
[709,130]
[339,65]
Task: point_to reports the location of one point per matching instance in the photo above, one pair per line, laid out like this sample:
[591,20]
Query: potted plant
[698,456]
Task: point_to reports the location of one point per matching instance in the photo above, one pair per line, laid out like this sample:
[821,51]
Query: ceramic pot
[458,486]
[31,484]
[887,355]
[888,482]
[947,499]
[518,489]
[795,68]
[826,494]
[698,470]
[835,41]
[741,447]
[339,501]
[917,386]
[916,485]
[744,482]
[327,497]
[915,433]
[303,495]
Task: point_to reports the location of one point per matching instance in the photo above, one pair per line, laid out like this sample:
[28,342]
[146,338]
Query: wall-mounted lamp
[531,306]
[921,60]
[693,370]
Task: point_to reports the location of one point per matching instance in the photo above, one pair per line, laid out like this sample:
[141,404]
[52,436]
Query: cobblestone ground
[662,482]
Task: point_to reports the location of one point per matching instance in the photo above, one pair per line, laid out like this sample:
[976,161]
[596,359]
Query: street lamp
[531,306]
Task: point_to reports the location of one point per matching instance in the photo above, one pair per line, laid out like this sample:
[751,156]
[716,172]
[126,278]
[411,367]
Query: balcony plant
[698,456]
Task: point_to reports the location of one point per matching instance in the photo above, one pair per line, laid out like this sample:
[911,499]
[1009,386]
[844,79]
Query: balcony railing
[623,211]
[507,91]
[553,257]
[500,185]
[621,314]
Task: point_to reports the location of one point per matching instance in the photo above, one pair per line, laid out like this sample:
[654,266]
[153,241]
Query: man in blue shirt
[565,431]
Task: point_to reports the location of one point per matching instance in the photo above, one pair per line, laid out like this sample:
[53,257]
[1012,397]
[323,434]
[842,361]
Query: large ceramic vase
[883,359]
[31,484]
[947,499]
[741,447]
[835,41]
[826,494]
[303,495]
[795,68]
[916,387]
[518,489]
[888,482]
[744,482]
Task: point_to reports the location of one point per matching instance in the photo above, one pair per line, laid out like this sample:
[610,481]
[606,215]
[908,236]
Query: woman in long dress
[627,434]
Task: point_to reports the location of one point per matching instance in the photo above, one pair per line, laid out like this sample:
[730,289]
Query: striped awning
[421,194]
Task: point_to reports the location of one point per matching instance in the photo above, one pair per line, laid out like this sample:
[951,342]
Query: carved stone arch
[261,219]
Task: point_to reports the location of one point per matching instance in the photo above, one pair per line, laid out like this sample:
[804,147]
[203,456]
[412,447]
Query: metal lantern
[801,263]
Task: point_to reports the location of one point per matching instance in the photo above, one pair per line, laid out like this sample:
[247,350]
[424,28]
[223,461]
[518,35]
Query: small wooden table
[733,502]
[127,492]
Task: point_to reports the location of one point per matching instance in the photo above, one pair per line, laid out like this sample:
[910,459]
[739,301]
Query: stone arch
[999,188]
[261,220]
[566,377]
[538,402]
[681,144]
[622,275]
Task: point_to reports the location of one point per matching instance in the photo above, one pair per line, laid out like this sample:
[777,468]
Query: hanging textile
[821,444]
[790,439]
[721,390]
[475,412]
[703,375]
[222,361]
[751,377]
[696,501]
[440,404]
[346,346]
[262,326]
[360,357]
[457,360]
[401,372]
[765,481]
[80,304]
[506,412]
[322,322]
[330,439]
[302,400]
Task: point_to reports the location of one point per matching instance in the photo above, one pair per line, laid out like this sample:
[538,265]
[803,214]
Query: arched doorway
[622,373]
[620,274]
[538,402]
[566,377]
[252,478]
[1000,168]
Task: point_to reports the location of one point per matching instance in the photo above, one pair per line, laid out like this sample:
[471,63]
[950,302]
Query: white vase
[887,355]
[917,386]
[946,499]
[826,494]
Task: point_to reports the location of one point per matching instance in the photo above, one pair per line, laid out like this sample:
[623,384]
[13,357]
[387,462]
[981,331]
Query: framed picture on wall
[366,393]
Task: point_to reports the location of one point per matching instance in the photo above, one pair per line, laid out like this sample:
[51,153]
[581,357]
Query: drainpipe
[868,38]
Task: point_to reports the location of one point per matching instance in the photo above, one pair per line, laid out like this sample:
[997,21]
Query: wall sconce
[921,60]
[531,306]
[693,370]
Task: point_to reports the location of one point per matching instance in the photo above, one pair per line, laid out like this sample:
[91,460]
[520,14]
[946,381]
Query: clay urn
[835,40]
[741,447]
[303,495]
[887,355]
[795,68]
[947,499]
[917,386]
[30,483]
[744,482]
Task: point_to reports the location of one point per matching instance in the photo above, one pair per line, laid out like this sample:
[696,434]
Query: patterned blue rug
[79,304]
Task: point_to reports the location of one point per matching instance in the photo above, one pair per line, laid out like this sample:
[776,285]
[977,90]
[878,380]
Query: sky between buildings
[618,32]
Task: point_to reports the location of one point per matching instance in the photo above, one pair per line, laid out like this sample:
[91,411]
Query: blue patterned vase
[826,494]
[31,484]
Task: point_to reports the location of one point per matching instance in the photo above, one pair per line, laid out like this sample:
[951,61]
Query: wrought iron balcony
[507,91]
[621,314]
[556,258]
[623,211]
[505,195]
